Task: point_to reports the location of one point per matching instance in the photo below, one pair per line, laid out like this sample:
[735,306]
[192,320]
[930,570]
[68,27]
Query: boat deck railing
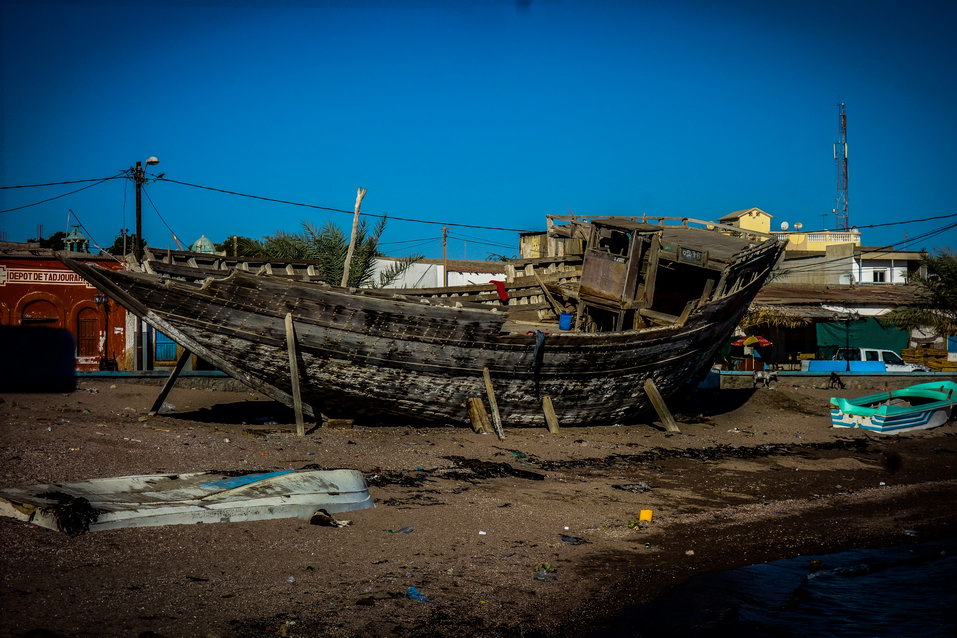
[667,221]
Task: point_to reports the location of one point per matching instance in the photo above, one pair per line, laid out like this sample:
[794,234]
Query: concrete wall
[878,382]
[833,266]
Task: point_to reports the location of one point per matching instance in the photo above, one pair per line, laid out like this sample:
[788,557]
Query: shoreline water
[903,515]
[888,591]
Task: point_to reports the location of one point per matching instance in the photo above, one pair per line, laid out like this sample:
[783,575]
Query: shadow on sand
[239,413]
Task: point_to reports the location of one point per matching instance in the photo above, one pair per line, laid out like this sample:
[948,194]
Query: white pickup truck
[890,358]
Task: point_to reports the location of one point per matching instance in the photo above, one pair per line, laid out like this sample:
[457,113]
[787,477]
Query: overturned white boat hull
[178,499]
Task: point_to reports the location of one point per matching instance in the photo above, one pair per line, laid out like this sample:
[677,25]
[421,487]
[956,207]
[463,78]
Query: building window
[880,276]
[40,313]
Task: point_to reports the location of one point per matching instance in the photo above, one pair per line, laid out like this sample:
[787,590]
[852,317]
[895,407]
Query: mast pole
[360,193]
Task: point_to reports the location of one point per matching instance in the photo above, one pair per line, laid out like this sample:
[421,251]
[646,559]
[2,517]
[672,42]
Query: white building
[430,273]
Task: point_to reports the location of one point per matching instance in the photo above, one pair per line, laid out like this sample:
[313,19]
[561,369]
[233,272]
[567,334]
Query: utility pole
[138,179]
[445,257]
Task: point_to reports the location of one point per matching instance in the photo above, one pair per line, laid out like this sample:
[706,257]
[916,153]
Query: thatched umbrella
[758,315]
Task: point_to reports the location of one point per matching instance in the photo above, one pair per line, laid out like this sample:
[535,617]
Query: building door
[165,348]
[40,313]
[86,333]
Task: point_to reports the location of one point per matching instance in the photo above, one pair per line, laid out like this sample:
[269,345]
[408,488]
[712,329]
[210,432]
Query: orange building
[37,290]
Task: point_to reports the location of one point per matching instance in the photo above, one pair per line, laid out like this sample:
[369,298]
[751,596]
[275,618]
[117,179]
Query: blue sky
[487,113]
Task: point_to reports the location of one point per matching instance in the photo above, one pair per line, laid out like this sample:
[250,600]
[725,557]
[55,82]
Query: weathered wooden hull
[406,361]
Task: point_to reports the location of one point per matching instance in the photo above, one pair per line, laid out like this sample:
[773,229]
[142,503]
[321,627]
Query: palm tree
[936,305]
[328,247]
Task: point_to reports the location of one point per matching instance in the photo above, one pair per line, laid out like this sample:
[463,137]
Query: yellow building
[749,219]
[758,220]
[818,241]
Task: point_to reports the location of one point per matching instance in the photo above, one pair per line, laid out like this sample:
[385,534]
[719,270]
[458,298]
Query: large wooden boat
[646,301]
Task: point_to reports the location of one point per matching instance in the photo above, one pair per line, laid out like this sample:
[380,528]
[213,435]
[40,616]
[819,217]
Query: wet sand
[753,476]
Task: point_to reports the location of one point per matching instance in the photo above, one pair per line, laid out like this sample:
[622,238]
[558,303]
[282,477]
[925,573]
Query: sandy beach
[754,475]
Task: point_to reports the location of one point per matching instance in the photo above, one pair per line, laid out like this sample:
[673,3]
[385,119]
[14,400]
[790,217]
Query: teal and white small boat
[918,407]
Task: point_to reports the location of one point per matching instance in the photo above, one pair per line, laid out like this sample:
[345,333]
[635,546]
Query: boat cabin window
[613,241]
[678,283]
[602,320]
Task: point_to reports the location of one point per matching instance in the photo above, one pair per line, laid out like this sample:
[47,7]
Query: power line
[478,241]
[906,221]
[407,241]
[90,235]
[50,199]
[150,200]
[419,245]
[469,237]
[72,181]
[909,221]
[818,267]
[339,210]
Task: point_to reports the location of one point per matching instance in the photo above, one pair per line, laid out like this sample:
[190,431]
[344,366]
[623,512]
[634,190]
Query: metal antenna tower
[840,161]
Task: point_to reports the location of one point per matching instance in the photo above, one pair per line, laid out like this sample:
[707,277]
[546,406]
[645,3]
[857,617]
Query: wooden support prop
[294,375]
[551,419]
[706,292]
[479,416]
[360,193]
[659,317]
[557,309]
[180,364]
[651,274]
[663,413]
[688,309]
[496,417]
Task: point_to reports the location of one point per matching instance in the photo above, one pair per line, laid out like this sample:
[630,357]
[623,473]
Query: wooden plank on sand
[479,416]
[551,419]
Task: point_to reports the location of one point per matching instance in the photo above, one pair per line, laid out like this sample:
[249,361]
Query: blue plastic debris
[415,594]
[239,481]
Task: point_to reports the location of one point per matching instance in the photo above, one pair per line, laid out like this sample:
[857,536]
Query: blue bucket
[565,321]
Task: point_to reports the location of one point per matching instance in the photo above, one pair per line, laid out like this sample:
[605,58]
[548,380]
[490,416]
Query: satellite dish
[798,226]
[784,225]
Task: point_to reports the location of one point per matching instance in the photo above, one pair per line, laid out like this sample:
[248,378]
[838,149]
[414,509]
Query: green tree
[327,246]
[236,245]
[936,304]
[54,241]
[117,247]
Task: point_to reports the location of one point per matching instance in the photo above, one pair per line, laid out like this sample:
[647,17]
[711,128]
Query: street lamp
[139,178]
